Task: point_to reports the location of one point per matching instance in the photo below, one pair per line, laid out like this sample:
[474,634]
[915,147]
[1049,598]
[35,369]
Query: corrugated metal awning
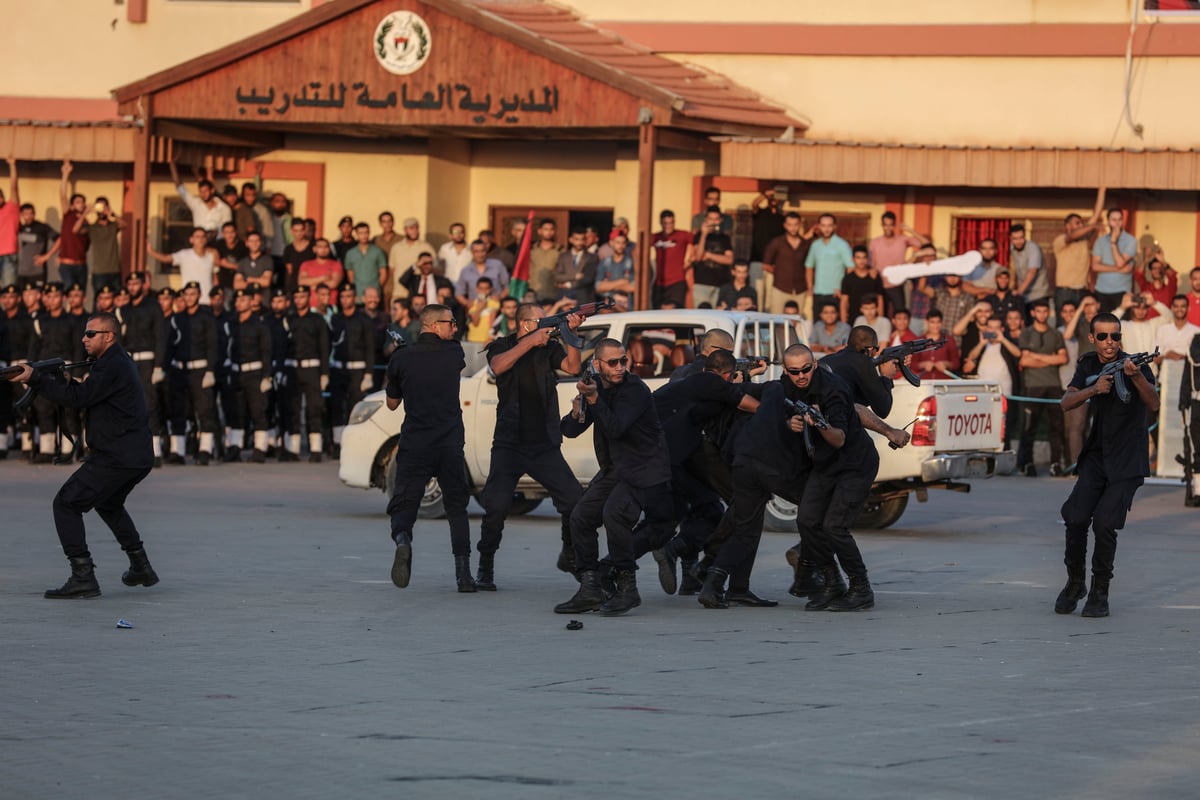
[991,167]
[104,142]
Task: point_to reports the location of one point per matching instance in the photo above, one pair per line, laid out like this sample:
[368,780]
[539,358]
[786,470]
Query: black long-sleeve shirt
[118,427]
[353,338]
[144,329]
[867,386]
[1118,429]
[248,342]
[310,339]
[628,436]
[193,338]
[55,337]
[426,376]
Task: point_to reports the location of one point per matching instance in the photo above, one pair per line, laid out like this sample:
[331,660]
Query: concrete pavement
[275,659]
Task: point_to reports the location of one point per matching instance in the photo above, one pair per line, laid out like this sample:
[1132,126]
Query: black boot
[1073,592]
[859,597]
[589,597]
[566,560]
[82,582]
[831,590]
[462,575]
[712,595]
[745,597]
[626,597]
[485,578]
[665,558]
[1097,599]
[140,573]
[232,454]
[402,563]
[807,579]
[688,585]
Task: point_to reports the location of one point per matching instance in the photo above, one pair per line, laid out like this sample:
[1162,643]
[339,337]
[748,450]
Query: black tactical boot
[462,574]
[626,597]
[1097,600]
[232,454]
[485,578]
[140,573]
[859,597]
[608,579]
[589,597]
[688,585]
[665,558]
[566,560]
[82,582]
[402,563]
[1073,592]
[806,580]
[712,595]
[831,590]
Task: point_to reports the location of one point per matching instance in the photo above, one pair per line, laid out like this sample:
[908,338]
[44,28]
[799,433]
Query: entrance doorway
[565,220]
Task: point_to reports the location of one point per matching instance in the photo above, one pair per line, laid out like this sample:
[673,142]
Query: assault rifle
[902,351]
[397,336]
[559,321]
[1116,370]
[744,365]
[588,376]
[799,408]
[47,366]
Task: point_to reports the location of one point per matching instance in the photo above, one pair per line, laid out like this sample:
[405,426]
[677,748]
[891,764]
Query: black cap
[10,289]
[214,291]
[345,219]
[279,293]
[122,291]
[167,291]
[244,292]
[75,287]
[105,289]
[136,275]
[53,287]
[192,285]
[346,285]
[33,285]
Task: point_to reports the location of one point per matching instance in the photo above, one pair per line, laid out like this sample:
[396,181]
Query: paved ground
[276,660]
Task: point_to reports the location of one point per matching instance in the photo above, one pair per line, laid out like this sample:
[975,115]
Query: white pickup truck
[958,432]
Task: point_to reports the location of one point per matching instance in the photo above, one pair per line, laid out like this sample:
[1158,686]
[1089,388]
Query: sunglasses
[1100,337]
[807,368]
[451,322]
[89,333]
[612,362]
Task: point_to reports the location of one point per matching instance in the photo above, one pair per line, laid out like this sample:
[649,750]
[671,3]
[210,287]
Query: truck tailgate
[970,416]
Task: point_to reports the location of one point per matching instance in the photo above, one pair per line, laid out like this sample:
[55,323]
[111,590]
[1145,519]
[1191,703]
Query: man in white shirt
[196,264]
[1141,332]
[454,254]
[404,252]
[1175,337]
[208,211]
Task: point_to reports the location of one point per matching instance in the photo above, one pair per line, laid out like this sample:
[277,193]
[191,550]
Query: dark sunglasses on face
[1100,337]
[451,322]
[612,362]
[807,368]
[89,333]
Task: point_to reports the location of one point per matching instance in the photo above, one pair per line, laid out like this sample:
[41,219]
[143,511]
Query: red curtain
[970,231]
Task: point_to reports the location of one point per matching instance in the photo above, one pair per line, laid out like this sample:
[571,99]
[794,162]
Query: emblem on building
[402,42]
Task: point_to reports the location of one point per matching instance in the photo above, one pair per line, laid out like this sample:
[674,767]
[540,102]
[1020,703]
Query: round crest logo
[402,42]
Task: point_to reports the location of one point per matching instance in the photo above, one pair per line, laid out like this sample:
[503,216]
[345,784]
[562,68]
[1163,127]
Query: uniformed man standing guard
[143,335]
[527,439]
[279,324]
[1111,466]
[353,355]
[120,457]
[425,376]
[54,337]
[308,376]
[7,297]
[192,346]
[249,357]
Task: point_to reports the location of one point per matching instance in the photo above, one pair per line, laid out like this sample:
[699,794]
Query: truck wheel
[877,514]
[431,501]
[780,515]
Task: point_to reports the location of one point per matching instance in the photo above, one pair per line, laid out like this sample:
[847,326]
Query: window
[968,231]
[657,351]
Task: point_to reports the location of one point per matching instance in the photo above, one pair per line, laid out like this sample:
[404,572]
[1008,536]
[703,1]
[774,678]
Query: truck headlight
[363,411]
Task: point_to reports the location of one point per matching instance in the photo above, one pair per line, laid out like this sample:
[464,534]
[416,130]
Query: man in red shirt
[322,269]
[672,260]
[1193,297]
[71,246]
[10,216]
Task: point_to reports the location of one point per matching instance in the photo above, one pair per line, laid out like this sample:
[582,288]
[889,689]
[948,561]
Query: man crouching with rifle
[118,433]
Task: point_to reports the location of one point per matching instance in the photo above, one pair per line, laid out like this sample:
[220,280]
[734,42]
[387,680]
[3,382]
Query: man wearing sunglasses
[425,376]
[120,456]
[1113,463]
[528,439]
[634,477]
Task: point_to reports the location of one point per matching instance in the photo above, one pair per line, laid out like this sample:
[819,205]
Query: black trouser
[1012,420]
[7,417]
[249,404]
[698,510]
[1194,431]
[1033,415]
[278,401]
[546,465]
[50,417]
[414,468]
[304,384]
[895,299]
[187,385]
[827,510]
[104,489]
[753,485]
[227,396]
[150,392]
[617,504]
[345,390]
[1103,504]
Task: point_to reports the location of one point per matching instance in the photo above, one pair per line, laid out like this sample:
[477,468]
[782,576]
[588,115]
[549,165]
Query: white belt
[201,364]
[348,365]
[308,362]
[142,355]
[249,366]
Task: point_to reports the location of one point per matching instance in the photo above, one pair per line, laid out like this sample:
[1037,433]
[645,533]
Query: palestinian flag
[518,283]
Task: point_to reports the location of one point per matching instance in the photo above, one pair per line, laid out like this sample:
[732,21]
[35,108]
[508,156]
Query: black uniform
[248,355]
[6,410]
[1114,462]
[144,336]
[280,329]
[20,338]
[1189,404]
[353,354]
[119,444]
[527,440]
[54,337]
[634,476]
[426,376]
[307,363]
[226,382]
[192,348]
